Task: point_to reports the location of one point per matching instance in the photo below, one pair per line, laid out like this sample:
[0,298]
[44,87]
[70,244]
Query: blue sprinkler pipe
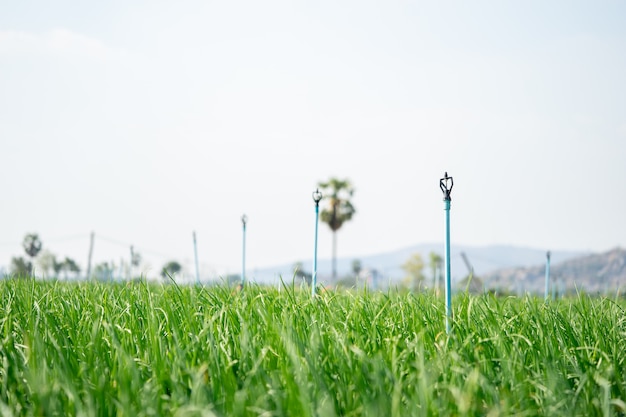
[244,221]
[317,196]
[443,184]
[547,291]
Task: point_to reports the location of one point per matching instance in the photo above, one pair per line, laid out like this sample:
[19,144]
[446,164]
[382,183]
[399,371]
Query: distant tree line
[45,260]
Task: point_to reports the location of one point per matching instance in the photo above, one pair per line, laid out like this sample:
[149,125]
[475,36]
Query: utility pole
[90,254]
[130,265]
[195,254]
[244,221]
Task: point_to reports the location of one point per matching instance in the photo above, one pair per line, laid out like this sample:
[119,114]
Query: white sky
[146,120]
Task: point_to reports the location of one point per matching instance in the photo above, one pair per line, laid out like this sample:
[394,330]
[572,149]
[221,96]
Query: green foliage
[45,262]
[414,269]
[170,269]
[340,209]
[65,266]
[71,265]
[136,349]
[21,267]
[58,267]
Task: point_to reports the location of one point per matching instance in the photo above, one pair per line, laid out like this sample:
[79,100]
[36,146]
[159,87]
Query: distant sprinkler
[244,221]
[317,196]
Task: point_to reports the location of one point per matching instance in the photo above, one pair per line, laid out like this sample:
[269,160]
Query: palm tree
[338,193]
[170,269]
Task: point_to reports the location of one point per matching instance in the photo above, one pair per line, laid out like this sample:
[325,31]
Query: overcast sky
[146,120]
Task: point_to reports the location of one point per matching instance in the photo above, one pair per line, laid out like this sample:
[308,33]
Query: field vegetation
[138,349]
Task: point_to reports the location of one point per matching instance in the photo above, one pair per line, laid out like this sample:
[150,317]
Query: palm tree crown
[339,210]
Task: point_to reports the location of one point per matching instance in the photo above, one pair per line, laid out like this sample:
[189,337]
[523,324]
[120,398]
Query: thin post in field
[244,221]
[90,255]
[547,289]
[446,183]
[195,255]
[130,264]
[317,196]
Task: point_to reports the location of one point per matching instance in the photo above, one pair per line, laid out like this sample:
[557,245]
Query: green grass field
[136,349]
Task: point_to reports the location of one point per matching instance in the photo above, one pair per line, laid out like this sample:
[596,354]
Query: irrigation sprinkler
[317,196]
[244,220]
[547,290]
[446,183]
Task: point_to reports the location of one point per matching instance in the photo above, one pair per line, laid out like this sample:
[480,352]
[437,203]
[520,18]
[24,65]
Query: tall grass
[139,350]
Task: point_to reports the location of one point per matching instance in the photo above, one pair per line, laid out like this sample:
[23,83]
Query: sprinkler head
[446,183]
[317,196]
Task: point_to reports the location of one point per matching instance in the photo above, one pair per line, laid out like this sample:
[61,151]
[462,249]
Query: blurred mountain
[591,273]
[388,265]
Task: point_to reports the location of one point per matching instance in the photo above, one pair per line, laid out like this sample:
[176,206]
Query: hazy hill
[598,272]
[483,259]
